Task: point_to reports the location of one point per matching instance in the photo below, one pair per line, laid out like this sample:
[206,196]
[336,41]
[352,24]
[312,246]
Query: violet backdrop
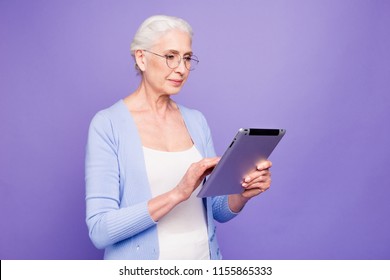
[320,69]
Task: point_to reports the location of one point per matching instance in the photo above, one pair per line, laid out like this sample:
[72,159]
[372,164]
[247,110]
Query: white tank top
[182,233]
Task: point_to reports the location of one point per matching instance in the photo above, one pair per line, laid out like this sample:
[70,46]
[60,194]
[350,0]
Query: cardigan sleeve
[107,222]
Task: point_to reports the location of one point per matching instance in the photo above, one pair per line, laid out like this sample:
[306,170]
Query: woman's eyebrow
[176,51]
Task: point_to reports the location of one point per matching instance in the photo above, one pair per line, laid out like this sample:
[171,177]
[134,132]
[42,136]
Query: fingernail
[247,179]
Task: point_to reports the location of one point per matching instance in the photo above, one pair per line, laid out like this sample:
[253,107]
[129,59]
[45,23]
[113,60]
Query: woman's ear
[140,60]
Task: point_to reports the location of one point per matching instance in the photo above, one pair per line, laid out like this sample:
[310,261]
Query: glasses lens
[173,60]
[190,62]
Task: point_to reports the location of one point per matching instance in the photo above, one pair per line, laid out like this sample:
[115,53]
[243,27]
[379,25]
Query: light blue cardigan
[117,187]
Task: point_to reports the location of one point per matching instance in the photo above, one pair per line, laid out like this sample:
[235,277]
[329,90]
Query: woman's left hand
[253,184]
[257,181]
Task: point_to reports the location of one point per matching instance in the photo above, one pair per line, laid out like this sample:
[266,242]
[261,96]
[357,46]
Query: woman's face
[157,75]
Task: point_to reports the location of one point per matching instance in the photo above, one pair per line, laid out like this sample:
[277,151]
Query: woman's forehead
[175,40]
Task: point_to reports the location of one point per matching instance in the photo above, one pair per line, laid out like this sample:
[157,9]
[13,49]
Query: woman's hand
[253,184]
[161,205]
[258,181]
[194,177]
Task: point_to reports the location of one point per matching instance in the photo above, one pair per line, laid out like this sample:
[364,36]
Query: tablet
[248,147]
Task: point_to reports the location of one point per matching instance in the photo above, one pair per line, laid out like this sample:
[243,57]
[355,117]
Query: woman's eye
[170,56]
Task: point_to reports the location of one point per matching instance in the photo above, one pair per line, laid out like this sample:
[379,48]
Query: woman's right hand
[161,205]
[194,177]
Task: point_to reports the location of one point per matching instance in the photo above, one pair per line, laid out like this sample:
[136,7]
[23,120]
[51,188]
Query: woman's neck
[143,100]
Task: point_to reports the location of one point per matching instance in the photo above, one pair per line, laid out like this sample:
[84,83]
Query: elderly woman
[146,157]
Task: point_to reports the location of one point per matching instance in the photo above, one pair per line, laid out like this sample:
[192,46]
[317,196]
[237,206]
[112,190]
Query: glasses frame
[193,58]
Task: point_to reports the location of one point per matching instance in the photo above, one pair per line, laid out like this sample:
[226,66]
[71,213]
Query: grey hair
[153,28]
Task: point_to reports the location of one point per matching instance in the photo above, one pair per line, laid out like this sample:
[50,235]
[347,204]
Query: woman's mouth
[176,82]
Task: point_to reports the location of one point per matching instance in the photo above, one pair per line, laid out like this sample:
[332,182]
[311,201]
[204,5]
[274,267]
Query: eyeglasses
[174,59]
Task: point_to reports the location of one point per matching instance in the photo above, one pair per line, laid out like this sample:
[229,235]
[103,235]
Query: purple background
[320,69]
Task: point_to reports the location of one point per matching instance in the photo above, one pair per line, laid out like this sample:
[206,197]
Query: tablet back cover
[248,147]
